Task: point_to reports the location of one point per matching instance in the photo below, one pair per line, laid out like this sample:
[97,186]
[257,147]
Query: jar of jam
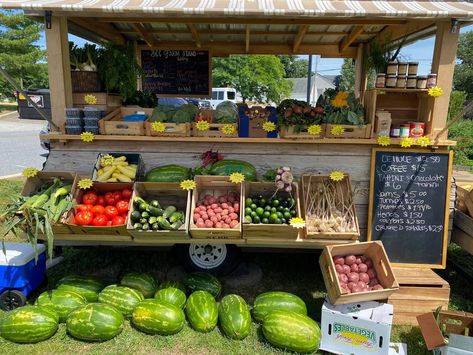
[405,130]
[411,82]
[432,80]
[401,81]
[380,81]
[392,68]
[421,82]
[402,68]
[412,68]
[395,131]
[391,81]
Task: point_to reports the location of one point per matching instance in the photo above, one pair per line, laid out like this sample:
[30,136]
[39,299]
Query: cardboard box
[356,328]
[397,349]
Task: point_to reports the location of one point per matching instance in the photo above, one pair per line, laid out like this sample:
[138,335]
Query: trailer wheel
[11,299]
[217,258]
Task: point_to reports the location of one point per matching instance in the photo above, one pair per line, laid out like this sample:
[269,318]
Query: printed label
[355,336]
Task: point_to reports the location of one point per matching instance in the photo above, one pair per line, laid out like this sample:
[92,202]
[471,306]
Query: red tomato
[100,221]
[109,199]
[118,220]
[126,193]
[117,196]
[100,201]
[84,218]
[98,210]
[110,212]
[89,198]
[109,223]
[122,207]
[84,208]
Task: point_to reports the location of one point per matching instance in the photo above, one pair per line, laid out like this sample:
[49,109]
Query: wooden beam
[103,29]
[394,33]
[148,38]
[355,32]
[195,35]
[247,37]
[255,33]
[299,37]
[359,72]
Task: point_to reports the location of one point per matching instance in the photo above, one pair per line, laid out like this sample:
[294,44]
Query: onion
[288,188]
[279,184]
[353,277]
[350,259]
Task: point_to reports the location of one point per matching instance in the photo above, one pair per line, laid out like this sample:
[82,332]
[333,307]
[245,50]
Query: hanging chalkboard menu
[182,73]
[409,205]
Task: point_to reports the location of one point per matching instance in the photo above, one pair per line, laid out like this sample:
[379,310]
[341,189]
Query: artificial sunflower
[107,160]
[202,125]
[340,100]
[406,142]
[87,137]
[187,184]
[228,129]
[423,141]
[90,99]
[297,222]
[384,141]
[85,184]
[237,178]
[435,91]
[337,176]
[314,130]
[159,127]
[337,130]
[30,172]
[269,126]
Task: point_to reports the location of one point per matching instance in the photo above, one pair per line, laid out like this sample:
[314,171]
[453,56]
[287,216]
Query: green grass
[4,106]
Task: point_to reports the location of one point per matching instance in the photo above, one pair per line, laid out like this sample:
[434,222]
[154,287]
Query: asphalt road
[19,144]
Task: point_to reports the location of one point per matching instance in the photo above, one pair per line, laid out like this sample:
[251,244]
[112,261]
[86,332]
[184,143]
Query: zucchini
[163,223]
[176,225]
[155,211]
[169,211]
[176,216]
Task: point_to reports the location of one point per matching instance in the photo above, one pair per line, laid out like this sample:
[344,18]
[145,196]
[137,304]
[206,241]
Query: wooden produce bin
[113,123]
[269,231]
[171,130]
[289,132]
[166,193]
[351,131]
[131,158]
[420,291]
[344,187]
[215,186]
[106,102]
[385,275]
[105,233]
[462,233]
[214,129]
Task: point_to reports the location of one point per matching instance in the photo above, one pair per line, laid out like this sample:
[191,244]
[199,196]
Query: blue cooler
[19,273]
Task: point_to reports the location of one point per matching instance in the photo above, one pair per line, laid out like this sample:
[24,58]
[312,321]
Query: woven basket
[85,81]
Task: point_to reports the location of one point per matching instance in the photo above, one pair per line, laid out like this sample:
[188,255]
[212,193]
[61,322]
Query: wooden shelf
[419,91]
[74,137]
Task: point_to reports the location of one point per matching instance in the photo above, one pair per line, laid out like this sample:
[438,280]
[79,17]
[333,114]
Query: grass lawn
[4,106]
[297,273]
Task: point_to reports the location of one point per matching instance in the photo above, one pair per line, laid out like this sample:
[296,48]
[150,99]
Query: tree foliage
[347,76]
[294,67]
[256,77]
[463,77]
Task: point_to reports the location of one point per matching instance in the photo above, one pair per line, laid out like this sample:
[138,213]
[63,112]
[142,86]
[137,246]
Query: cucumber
[176,225]
[155,203]
[138,226]
[135,216]
[164,224]
[152,220]
[155,211]
[176,216]
[145,227]
[155,226]
[169,211]
[138,201]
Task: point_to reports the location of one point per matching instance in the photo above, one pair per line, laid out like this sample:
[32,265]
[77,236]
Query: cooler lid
[19,254]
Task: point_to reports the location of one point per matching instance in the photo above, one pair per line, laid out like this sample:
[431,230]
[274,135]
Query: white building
[319,84]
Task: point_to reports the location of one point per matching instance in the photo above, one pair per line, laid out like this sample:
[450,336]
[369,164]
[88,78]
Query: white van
[222,94]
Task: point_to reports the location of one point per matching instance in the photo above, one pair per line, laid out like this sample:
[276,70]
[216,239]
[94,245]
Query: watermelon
[202,311]
[144,283]
[172,292]
[87,287]
[270,301]
[62,302]
[168,173]
[123,298]
[156,317]
[235,317]
[292,331]
[29,324]
[226,167]
[203,281]
[95,322]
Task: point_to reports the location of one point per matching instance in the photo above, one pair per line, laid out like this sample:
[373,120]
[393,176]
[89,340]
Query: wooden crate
[107,102]
[289,132]
[171,130]
[306,181]
[420,291]
[375,250]
[215,131]
[215,185]
[113,123]
[131,158]
[351,131]
[462,233]
[269,231]
[167,193]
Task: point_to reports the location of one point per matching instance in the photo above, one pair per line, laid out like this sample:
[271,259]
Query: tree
[293,66]
[463,77]
[256,77]
[347,76]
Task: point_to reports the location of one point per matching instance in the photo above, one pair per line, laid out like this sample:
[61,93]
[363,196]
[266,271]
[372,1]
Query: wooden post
[359,71]
[59,69]
[443,63]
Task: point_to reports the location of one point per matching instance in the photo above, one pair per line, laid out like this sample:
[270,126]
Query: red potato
[208,196]
[351,285]
[222,199]
[233,216]
[353,277]
[233,224]
[214,219]
[197,210]
[211,213]
[212,200]
[200,220]
[214,205]
[228,220]
[231,210]
[356,288]
[225,212]
[218,210]
[236,207]
[196,217]
[362,285]
[340,260]
[346,269]
[354,267]
[339,269]
[204,216]
[203,209]
[350,259]
[362,267]
[343,278]
[226,226]
[377,287]
[209,224]
[374,282]
[371,273]
[364,277]
[358,260]
[224,205]
[368,261]
[200,225]
[231,199]
[218,225]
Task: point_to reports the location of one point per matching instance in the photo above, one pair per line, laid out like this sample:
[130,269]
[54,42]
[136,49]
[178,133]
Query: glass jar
[380,81]
[411,82]
[421,82]
[413,66]
[395,131]
[402,68]
[432,80]
[392,68]
[391,81]
[401,81]
[405,130]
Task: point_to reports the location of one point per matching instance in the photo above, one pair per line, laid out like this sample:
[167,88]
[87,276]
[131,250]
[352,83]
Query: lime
[287,215]
[256,219]
[280,215]
[266,214]
[248,201]
[286,209]
[267,208]
[275,203]
[253,206]
[280,208]
[278,221]
[248,219]
[293,213]
[265,221]
[253,214]
[259,211]
[273,218]
[248,210]
[262,202]
[273,210]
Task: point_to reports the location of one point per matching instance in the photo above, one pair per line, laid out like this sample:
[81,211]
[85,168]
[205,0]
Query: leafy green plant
[298,114]
[382,51]
[457,100]
[143,99]
[83,58]
[341,107]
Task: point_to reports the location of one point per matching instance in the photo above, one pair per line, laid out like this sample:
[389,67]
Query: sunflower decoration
[187,185]
[107,160]
[314,130]
[435,91]
[87,137]
[85,184]
[30,172]
[237,178]
[340,100]
[423,141]
[269,126]
[202,125]
[406,142]
[228,129]
[337,176]
[337,130]
[90,99]
[297,222]
[159,127]
[384,141]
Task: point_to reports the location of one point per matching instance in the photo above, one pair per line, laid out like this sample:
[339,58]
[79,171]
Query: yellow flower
[30,172]
[406,142]
[188,185]
[435,91]
[269,126]
[384,141]
[228,129]
[87,137]
[237,178]
[340,100]
[202,125]
[107,160]
[337,130]
[423,141]
[314,129]
[90,99]
[337,175]
[159,127]
[297,222]
[85,184]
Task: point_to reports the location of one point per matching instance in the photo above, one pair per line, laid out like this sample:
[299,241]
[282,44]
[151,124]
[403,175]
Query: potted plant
[84,75]
[297,119]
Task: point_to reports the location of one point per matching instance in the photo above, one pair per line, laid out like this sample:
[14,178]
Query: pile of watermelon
[95,312]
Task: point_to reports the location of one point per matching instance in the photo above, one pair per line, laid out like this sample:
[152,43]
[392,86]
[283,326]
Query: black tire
[11,299]
[220,259]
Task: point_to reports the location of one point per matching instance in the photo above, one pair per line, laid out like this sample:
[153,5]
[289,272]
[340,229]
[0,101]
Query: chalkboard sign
[409,205]
[184,73]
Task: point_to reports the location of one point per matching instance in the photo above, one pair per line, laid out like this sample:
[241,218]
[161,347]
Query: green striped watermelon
[145,283]
[172,292]
[274,300]
[29,324]
[62,302]
[157,317]
[95,322]
[235,317]
[87,287]
[202,311]
[292,331]
[203,281]
[123,298]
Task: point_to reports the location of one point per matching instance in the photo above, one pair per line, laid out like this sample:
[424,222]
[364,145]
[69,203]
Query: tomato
[100,201]
[84,208]
[98,210]
[89,198]
[109,199]
[100,221]
[122,207]
[118,220]
[84,218]
[117,196]
[126,193]
[110,212]
[109,223]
